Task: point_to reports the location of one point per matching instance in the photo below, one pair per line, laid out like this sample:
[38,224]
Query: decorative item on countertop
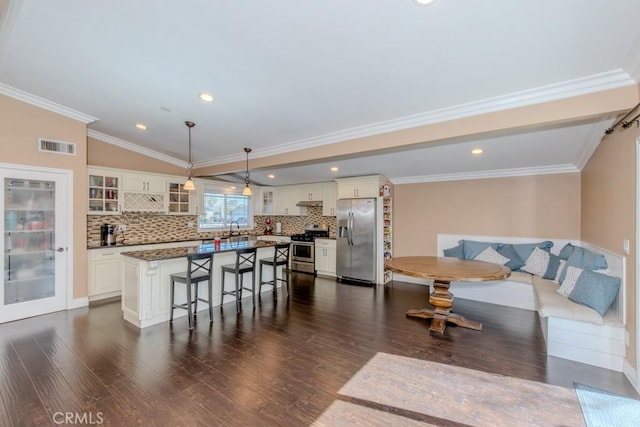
[267,229]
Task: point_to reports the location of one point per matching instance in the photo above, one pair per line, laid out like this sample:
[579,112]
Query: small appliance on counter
[107,235]
[267,229]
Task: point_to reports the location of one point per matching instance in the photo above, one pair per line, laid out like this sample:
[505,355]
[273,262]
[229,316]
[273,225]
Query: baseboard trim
[631,374]
[78,303]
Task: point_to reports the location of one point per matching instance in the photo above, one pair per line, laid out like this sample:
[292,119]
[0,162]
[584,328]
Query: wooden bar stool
[280,258]
[245,263]
[198,270]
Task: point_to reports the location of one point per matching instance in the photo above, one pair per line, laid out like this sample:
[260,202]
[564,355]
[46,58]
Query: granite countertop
[170,253]
[141,242]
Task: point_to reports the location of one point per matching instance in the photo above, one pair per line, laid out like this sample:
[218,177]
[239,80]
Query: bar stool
[280,258]
[245,263]
[198,270]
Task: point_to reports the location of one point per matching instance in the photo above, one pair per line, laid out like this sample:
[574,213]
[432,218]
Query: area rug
[450,395]
[350,414]
[604,409]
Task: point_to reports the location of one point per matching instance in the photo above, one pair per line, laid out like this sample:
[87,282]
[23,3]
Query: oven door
[303,252]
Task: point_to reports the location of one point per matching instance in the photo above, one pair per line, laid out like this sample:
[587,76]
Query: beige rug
[349,414]
[447,394]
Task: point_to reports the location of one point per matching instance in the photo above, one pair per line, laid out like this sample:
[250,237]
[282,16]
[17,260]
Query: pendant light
[247,190]
[189,185]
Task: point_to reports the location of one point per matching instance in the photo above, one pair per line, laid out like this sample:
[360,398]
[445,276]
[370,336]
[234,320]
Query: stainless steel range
[303,248]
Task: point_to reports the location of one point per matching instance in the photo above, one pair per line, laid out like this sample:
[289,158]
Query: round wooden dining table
[443,271]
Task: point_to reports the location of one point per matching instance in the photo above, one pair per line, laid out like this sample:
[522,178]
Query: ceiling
[290,74]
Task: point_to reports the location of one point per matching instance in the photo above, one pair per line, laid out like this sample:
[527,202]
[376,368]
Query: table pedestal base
[442,300]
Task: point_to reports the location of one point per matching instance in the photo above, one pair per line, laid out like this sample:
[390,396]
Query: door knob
[60,250]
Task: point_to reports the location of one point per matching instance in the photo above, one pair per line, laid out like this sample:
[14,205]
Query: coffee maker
[107,235]
[267,228]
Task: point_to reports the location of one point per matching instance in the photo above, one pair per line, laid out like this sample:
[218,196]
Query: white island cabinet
[146,297]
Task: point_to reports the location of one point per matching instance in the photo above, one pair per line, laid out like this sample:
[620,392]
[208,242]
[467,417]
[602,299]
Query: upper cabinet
[143,183]
[264,201]
[329,198]
[360,187]
[286,199]
[105,196]
[180,201]
[313,192]
[114,191]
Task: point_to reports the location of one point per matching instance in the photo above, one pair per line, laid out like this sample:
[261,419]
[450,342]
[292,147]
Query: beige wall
[546,206]
[108,155]
[21,125]
[609,209]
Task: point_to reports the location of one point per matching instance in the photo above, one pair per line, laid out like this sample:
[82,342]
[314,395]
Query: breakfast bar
[146,292]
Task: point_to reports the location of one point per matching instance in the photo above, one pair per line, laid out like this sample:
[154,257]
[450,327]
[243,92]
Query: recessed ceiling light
[233,188]
[206,97]
[424,2]
[334,169]
[141,126]
[477,151]
[271,176]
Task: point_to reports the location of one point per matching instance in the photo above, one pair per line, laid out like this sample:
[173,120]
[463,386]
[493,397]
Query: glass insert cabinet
[104,194]
[34,268]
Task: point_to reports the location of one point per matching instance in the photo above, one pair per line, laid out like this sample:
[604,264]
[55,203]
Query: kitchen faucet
[231,226]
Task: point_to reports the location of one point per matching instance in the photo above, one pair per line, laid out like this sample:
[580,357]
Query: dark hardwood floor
[280,365]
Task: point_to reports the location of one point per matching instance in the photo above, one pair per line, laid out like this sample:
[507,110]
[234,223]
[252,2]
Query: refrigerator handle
[350,225]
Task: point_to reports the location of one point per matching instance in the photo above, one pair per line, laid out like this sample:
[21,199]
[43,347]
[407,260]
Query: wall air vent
[60,147]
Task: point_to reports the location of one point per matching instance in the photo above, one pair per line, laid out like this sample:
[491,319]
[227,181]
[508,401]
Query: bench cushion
[551,304]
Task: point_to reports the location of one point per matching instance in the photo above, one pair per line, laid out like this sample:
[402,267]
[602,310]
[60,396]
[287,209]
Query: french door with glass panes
[34,244]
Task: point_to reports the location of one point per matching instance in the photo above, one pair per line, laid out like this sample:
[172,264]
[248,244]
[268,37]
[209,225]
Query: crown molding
[500,173]
[571,88]
[135,148]
[45,104]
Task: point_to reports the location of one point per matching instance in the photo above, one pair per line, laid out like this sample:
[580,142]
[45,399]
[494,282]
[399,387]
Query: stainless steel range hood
[310,203]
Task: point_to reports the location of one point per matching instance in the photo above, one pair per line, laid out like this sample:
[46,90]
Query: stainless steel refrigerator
[356,240]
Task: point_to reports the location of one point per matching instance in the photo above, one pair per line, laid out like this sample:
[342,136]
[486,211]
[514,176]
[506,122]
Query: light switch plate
[625,246]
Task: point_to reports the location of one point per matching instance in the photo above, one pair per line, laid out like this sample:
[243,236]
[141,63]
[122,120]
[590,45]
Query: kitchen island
[146,291]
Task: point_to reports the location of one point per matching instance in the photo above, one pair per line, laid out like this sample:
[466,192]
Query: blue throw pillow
[552,268]
[595,290]
[455,252]
[507,251]
[584,259]
[566,251]
[473,248]
[525,249]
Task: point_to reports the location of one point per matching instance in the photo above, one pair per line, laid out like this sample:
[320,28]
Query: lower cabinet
[325,257]
[106,268]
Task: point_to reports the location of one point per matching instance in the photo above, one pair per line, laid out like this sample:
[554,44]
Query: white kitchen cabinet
[325,252]
[264,201]
[286,199]
[310,192]
[181,201]
[105,196]
[329,198]
[361,187]
[143,183]
[105,273]
[106,268]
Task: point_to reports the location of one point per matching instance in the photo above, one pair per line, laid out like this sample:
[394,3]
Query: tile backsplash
[153,228]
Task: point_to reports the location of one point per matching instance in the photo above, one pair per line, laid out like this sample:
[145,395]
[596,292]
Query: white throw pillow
[490,255]
[537,262]
[569,282]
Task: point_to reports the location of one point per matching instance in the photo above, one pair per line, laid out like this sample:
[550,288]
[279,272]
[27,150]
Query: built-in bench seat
[572,331]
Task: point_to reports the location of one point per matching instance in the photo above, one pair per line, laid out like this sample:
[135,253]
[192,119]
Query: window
[222,207]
